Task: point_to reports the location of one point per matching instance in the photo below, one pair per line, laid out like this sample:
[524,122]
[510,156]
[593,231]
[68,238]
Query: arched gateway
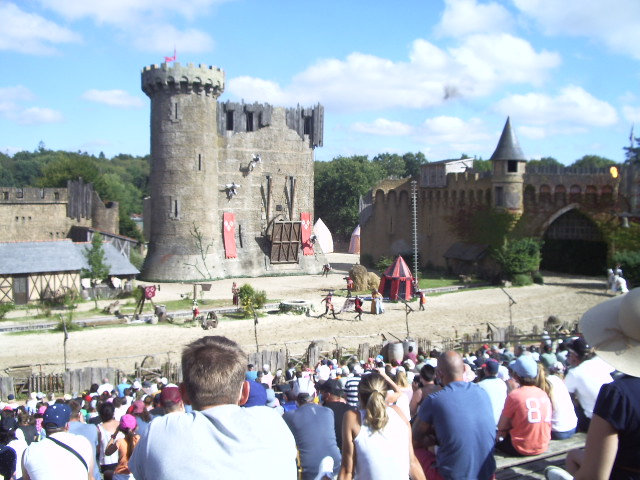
[573,244]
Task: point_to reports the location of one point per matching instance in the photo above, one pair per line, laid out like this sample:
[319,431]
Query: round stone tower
[184,170]
[508,172]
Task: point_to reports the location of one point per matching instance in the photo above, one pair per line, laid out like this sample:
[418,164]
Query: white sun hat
[612,328]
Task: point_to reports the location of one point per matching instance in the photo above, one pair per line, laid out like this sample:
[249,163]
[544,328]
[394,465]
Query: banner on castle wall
[305,233]
[229,235]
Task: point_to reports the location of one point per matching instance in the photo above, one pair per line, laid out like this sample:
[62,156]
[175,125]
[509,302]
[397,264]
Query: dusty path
[464,311]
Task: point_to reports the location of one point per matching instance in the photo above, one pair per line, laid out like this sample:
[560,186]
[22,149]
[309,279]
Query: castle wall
[205,164]
[36,214]
[544,196]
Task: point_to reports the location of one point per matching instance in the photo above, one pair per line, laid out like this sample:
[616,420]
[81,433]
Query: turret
[508,172]
[184,168]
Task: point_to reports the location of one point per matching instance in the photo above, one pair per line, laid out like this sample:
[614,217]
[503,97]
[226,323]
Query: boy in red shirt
[525,423]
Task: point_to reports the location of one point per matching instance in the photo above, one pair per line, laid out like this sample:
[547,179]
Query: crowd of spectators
[434,415]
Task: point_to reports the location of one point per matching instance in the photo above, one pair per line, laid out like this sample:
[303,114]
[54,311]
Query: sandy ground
[464,311]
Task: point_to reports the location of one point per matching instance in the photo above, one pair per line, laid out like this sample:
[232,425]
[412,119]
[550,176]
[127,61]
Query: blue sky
[437,76]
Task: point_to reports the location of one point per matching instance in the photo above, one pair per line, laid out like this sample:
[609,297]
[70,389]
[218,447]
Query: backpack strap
[68,448]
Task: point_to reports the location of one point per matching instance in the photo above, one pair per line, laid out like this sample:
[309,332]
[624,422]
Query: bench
[533,467]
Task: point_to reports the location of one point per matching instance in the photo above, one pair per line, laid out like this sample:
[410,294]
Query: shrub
[6,308]
[522,279]
[383,263]
[251,300]
[519,256]
[537,278]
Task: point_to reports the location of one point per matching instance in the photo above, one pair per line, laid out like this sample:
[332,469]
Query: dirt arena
[465,311]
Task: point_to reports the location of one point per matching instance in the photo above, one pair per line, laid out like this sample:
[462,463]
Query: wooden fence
[21,380]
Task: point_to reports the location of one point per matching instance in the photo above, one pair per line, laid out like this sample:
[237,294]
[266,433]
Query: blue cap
[56,415]
[525,367]
[491,366]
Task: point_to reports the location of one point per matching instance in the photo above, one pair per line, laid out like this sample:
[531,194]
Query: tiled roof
[56,256]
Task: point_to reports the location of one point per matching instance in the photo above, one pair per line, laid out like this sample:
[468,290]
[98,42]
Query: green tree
[519,256]
[412,164]
[480,165]
[392,164]
[592,161]
[338,186]
[632,153]
[98,270]
[544,162]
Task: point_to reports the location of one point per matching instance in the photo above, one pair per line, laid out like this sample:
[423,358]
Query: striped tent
[397,281]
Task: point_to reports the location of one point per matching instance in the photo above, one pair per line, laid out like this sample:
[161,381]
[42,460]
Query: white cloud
[127,11]
[145,24]
[572,108]
[29,33]
[612,22]
[431,76]
[631,114]
[113,98]
[464,17]
[161,38]
[453,130]
[535,133]
[36,115]
[11,107]
[382,126]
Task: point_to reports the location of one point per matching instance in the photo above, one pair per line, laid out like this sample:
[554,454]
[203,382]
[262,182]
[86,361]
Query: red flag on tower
[171,59]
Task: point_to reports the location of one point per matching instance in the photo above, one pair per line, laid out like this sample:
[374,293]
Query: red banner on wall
[307,226]
[229,235]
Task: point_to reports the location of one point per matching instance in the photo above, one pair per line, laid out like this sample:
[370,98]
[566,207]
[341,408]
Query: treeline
[123,178]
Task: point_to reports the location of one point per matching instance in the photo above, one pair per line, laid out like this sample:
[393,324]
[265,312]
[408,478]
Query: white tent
[354,243]
[323,236]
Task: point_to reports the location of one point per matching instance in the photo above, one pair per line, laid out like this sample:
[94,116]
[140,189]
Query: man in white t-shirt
[218,439]
[583,380]
[105,386]
[62,455]
[495,387]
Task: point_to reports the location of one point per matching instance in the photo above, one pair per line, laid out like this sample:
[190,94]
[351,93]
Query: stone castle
[231,183]
[40,214]
[562,206]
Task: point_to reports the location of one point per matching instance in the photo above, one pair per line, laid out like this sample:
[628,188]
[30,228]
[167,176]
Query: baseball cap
[525,366]
[128,422]
[56,415]
[491,367]
[137,406]
[579,346]
[333,387]
[170,394]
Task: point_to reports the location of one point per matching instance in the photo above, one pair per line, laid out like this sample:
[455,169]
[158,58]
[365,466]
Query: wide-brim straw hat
[612,328]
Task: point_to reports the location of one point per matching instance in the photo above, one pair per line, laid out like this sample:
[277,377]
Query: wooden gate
[285,242]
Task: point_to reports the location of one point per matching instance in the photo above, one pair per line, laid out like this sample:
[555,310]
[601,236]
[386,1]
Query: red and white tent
[354,243]
[397,281]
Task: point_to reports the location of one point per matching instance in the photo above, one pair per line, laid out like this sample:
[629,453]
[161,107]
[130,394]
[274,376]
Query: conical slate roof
[508,147]
[398,269]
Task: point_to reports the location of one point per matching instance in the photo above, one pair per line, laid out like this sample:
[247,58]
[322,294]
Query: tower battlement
[188,78]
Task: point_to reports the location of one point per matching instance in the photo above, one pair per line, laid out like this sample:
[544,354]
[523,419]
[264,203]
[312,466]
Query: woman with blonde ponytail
[376,440]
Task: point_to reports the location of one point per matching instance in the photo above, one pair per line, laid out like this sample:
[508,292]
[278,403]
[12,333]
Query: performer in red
[329,305]
[195,310]
[349,286]
[358,304]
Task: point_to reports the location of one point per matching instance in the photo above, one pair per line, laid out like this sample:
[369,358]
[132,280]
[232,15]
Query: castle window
[307,125]
[175,110]
[19,193]
[278,208]
[199,162]
[240,235]
[499,197]
[229,121]
[42,193]
[17,219]
[174,208]
[249,117]
[56,196]
[512,166]
[5,195]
